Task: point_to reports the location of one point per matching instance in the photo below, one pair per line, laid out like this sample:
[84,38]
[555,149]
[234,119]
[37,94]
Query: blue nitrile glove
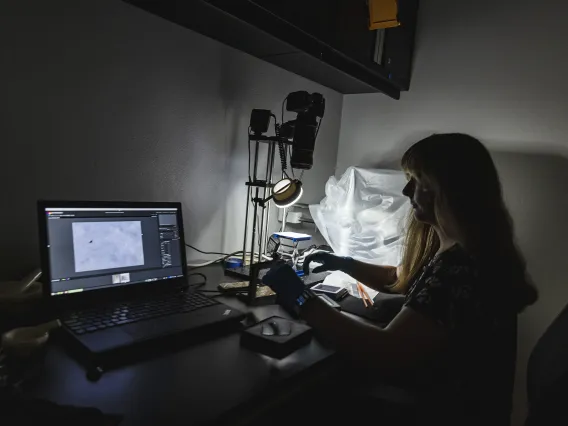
[330,262]
[286,284]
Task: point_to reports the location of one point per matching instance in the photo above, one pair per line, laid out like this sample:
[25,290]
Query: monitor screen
[93,248]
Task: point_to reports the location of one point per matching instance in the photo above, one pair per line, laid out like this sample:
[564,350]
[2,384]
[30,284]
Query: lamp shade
[287,192]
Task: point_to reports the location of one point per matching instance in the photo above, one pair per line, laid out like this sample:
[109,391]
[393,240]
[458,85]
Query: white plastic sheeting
[363,214]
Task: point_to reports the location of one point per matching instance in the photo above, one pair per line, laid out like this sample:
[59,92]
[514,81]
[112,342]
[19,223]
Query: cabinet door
[342,25]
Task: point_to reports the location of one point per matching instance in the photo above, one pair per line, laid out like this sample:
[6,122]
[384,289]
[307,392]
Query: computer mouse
[274,328]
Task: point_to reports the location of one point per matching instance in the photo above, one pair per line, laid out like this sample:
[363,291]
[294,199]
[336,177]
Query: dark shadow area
[534,187]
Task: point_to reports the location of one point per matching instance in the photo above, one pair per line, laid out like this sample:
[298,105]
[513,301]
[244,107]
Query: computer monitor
[101,245]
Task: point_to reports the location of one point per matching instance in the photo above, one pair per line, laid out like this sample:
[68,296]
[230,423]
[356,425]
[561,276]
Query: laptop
[116,274]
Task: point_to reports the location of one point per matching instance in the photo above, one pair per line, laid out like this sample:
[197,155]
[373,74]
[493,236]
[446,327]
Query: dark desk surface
[200,384]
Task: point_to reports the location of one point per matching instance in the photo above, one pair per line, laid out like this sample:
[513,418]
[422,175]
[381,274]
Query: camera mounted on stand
[300,134]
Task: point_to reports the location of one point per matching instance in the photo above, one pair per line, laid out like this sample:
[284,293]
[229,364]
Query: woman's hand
[330,262]
[284,281]
[378,277]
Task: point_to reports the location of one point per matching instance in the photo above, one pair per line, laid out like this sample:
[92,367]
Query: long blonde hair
[469,201]
[420,244]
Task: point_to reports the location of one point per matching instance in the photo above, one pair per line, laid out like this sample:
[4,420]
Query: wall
[495,70]
[533,184]
[100,100]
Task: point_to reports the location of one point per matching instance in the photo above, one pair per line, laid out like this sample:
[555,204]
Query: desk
[204,383]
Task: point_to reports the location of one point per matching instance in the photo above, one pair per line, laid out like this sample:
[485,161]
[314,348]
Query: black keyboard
[100,318]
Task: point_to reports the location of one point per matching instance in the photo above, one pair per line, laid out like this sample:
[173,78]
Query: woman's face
[421,199]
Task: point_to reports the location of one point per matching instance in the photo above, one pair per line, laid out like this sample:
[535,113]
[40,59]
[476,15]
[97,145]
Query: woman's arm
[408,340]
[374,276]
[378,277]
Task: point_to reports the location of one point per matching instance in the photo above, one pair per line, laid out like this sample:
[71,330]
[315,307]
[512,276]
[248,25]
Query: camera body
[303,130]
[303,102]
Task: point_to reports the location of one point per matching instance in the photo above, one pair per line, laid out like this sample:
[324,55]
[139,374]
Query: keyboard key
[91,329]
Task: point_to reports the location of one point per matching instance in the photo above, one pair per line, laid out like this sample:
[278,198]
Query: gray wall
[100,100]
[533,186]
[496,70]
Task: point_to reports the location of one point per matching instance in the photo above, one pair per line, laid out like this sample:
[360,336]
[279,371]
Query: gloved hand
[284,281]
[330,262]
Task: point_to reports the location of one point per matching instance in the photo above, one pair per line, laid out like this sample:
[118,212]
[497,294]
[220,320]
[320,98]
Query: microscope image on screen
[107,245]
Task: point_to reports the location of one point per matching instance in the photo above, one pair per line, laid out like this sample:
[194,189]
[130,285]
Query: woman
[464,280]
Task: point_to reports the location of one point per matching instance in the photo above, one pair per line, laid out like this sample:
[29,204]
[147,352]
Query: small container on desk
[295,238]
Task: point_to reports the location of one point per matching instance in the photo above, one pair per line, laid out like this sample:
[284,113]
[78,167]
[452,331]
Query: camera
[304,129]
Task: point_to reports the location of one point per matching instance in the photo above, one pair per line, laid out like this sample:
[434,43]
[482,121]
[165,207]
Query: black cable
[281,150]
[318,129]
[282,117]
[198,285]
[221,260]
[230,255]
[198,274]
[193,286]
[248,142]
[205,252]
